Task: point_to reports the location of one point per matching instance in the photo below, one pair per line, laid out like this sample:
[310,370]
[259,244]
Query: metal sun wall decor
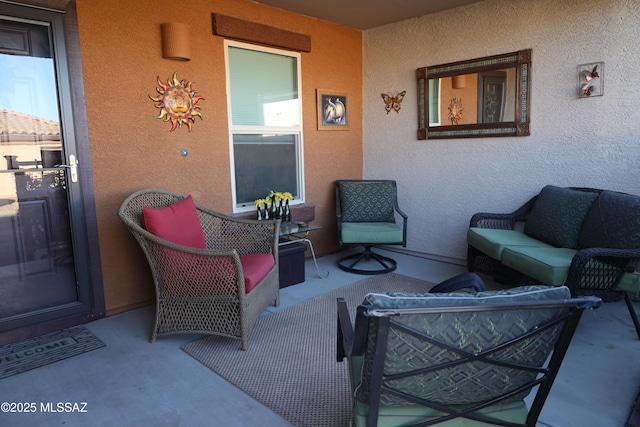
[393,102]
[591,79]
[177,101]
[455,110]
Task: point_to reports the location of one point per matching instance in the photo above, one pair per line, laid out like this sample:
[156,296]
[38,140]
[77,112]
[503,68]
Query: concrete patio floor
[132,382]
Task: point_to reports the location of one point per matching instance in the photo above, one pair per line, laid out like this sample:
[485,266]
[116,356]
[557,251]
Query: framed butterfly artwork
[591,79]
[393,101]
[333,110]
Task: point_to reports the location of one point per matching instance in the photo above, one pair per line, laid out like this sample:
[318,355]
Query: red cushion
[255,267]
[177,223]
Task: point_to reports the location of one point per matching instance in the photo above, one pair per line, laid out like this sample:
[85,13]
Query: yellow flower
[259,202]
[278,196]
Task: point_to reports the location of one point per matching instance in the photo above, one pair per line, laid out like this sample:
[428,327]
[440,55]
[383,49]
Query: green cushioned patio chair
[455,359]
[366,212]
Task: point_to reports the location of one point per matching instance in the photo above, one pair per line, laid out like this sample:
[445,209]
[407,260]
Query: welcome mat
[290,365]
[23,356]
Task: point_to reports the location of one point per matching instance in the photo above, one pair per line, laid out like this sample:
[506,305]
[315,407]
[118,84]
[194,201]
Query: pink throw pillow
[177,223]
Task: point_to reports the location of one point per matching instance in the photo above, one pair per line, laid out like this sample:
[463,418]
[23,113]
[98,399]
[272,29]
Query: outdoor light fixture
[458,82]
[175,41]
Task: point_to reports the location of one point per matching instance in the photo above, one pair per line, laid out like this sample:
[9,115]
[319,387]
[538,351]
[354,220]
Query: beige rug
[290,365]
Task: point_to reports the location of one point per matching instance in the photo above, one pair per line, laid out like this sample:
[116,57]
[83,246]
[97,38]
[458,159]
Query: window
[265,123]
[434,102]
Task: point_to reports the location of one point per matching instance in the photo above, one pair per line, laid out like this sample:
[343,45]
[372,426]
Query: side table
[293,232]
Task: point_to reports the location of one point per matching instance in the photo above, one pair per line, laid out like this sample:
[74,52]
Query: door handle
[73,167]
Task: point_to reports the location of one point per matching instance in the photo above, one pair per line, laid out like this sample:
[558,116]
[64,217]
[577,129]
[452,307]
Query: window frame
[297,131]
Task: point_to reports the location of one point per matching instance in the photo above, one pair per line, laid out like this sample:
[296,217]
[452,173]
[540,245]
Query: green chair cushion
[371,232]
[612,222]
[394,416]
[557,215]
[492,242]
[412,299]
[630,282]
[363,201]
[547,265]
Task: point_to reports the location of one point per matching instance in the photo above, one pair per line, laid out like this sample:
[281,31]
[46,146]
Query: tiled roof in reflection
[14,123]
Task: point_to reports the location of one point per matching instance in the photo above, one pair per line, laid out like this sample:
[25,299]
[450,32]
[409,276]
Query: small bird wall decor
[590,79]
[393,102]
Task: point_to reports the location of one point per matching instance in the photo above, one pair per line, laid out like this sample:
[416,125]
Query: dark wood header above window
[239,29]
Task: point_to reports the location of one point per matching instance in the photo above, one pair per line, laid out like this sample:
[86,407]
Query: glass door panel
[37,271]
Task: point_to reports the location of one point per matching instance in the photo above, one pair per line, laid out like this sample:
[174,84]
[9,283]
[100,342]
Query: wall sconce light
[176,41]
[458,82]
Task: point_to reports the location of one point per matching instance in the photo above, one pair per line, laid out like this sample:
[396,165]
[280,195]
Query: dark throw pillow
[612,222]
[557,216]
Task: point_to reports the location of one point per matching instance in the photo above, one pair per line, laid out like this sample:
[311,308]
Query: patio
[132,382]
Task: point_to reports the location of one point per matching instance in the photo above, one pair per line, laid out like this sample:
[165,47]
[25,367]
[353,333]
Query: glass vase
[287,212]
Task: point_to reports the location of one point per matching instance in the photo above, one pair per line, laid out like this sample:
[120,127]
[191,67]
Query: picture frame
[333,110]
[591,79]
[492,87]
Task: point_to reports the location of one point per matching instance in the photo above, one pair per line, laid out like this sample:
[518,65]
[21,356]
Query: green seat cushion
[630,282]
[492,242]
[547,265]
[371,232]
[394,416]
[612,222]
[557,215]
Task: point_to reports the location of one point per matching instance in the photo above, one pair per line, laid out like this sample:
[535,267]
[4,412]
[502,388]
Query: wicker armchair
[203,290]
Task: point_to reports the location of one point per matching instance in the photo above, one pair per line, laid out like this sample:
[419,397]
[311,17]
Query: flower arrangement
[276,206]
[280,197]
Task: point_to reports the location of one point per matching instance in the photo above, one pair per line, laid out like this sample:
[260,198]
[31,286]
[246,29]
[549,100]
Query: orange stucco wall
[131,149]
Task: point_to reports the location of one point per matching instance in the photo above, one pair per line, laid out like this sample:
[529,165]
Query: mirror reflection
[488,97]
[480,97]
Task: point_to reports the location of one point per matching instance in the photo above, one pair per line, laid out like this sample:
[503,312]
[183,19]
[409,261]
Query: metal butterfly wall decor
[590,79]
[393,102]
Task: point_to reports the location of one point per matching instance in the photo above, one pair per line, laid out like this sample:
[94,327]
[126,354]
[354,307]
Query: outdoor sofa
[584,238]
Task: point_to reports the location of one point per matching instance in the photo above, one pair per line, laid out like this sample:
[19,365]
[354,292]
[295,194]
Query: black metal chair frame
[349,262]
[352,340]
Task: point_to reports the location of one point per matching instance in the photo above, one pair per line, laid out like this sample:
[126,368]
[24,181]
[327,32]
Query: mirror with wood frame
[481,97]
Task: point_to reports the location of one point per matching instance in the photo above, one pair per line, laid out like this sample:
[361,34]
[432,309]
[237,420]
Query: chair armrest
[203,271]
[252,236]
[351,340]
[502,221]
[247,236]
[344,342]
[600,268]
[404,222]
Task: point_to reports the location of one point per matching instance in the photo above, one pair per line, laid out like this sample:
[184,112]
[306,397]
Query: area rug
[23,356]
[291,365]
